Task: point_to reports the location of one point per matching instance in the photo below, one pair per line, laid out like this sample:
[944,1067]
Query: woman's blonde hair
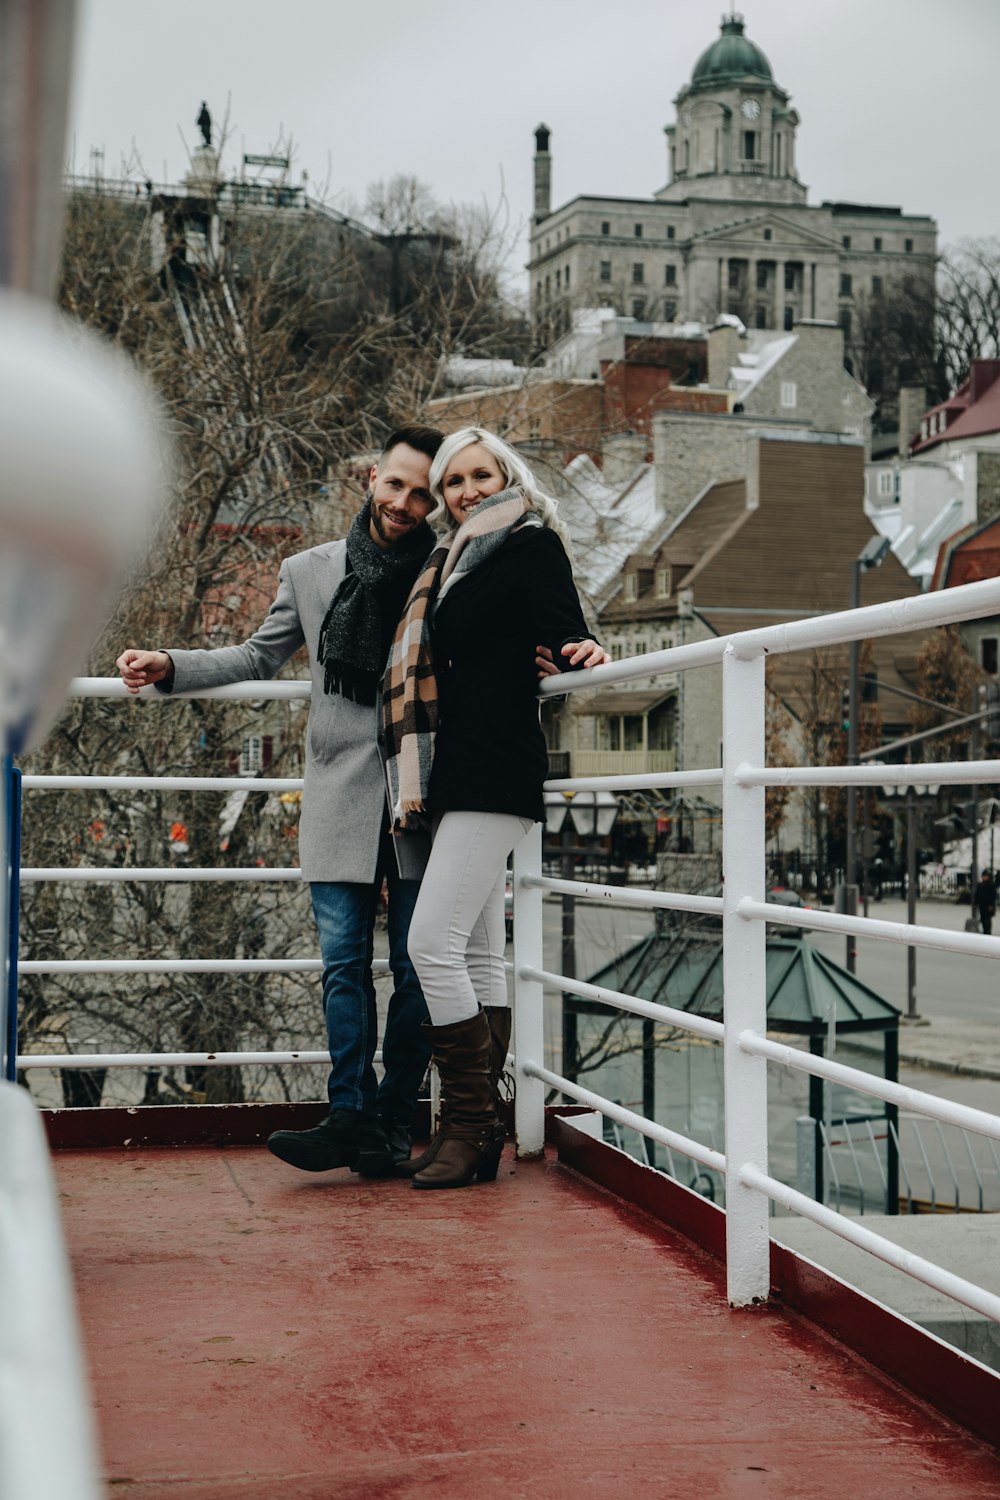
[513,468]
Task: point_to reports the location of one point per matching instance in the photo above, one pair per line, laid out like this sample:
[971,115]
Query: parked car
[783,895]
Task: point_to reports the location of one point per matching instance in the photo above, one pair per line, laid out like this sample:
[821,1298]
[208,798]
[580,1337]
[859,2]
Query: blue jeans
[345,919]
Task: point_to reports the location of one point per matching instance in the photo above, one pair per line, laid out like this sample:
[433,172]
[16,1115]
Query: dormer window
[631,586]
[663,583]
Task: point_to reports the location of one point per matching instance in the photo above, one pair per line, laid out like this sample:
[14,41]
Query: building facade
[731,232]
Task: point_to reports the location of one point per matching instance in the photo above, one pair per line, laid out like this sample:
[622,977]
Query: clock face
[750,109]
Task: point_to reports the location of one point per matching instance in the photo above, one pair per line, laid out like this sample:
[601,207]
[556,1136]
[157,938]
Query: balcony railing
[750,1188]
[622,762]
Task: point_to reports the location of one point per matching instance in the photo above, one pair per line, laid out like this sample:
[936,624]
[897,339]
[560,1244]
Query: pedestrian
[342,601]
[984,899]
[465,753]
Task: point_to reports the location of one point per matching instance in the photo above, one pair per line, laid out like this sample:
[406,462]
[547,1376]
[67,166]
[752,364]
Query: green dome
[732,56]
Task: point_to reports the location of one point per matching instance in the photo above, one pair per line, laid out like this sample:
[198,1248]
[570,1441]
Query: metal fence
[743,776]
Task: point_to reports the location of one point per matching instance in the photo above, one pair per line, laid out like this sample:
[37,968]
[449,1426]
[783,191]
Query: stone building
[731,231]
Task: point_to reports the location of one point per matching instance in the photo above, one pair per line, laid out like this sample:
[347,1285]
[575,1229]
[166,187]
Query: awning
[610,702]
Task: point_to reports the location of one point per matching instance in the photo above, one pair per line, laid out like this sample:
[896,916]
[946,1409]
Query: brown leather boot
[471,1139]
[499,1018]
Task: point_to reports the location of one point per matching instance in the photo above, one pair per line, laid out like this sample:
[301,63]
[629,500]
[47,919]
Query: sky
[896,97]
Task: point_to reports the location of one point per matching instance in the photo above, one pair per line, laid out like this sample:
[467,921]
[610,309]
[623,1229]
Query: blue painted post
[10,913]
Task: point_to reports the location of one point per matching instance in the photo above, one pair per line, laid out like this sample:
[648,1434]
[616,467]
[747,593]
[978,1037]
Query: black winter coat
[489,754]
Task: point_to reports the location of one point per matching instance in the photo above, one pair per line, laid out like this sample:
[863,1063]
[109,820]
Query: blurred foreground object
[82,472]
[47,1446]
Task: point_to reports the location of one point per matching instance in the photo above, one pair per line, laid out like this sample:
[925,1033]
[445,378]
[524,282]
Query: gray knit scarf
[357,632]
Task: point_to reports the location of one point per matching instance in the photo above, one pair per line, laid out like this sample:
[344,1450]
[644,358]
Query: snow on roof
[763,352]
[605,522]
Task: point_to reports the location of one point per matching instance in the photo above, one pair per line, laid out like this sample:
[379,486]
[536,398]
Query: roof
[973,411]
[732,55]
[614,701]
[969,554]
[802,983]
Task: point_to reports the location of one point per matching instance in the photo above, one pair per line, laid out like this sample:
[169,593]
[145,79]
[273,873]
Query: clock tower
[735,133]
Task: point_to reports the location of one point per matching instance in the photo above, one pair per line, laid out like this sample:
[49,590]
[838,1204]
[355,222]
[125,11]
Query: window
[762,278]
[605,270]
[566,278]
[547,289]
[886,484]
[749,145]
[616,650]
[876,286]
[760,317]
[558,280]
[988,654]
[637,231]
[789,393]
[641,647]
[908,247]
[669,310]
[670,231]
[638,307]
[845,286]
[670,275]
[767,234]
[256,754]
[734,275]
[638,273]
[789,278]
[631,586]
[605,226]
[878,242]
[845,321]
[788,321]
[846,242]
[663,583]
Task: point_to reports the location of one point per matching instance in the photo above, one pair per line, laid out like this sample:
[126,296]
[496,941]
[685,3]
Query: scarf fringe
[351,682]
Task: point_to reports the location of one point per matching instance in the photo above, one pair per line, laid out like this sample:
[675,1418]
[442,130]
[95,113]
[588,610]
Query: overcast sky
[897,98]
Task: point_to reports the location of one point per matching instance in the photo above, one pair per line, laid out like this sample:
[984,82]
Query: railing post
[529,1017]
[745,979]
[10,902]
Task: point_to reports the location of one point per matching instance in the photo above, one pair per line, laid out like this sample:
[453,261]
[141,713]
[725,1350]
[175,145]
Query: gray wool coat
[344,793]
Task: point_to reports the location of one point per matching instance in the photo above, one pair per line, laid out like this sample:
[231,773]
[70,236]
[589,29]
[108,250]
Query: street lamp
[872,555]
[911,794]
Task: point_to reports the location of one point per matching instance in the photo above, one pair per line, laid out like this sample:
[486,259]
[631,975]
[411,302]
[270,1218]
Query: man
[343,600]
[984,899]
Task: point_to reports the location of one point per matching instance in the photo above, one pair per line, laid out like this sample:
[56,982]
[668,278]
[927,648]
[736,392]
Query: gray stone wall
[987,484]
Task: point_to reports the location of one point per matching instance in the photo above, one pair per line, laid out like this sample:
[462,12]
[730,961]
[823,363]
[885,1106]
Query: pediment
[788,234]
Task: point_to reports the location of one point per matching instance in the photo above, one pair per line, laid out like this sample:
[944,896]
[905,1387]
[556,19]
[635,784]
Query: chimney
[621,455]
[723,349]
[912,405]
[543,174]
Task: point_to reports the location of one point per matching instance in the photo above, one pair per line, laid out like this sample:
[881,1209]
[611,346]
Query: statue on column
[204,124]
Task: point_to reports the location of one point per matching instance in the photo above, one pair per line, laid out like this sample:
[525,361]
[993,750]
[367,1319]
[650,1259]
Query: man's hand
[141,669]
[586,653]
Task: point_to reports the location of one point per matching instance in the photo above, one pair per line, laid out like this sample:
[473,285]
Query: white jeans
[457,934]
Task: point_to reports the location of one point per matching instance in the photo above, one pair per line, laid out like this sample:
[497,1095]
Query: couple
[470,623]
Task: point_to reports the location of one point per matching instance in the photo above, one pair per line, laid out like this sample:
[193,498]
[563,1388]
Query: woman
[464,747]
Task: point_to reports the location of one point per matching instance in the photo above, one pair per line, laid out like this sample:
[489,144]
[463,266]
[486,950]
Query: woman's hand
[581,653]
[585,654]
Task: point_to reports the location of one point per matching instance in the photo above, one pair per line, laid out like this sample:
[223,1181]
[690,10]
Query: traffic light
[845,709]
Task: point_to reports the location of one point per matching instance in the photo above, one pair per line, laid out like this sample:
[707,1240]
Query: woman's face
[472,475]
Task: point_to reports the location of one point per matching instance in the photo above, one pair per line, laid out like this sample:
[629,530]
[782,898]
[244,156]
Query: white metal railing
[743,777]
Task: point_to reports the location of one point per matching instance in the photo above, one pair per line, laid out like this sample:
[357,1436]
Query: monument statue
[204,123]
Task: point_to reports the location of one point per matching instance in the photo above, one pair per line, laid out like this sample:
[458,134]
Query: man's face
[400,496]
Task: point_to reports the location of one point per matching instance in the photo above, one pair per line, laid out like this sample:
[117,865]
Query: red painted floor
[254,1332]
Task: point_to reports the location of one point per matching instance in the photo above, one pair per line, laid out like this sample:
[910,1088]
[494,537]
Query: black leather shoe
[335,1142]
[384,1149]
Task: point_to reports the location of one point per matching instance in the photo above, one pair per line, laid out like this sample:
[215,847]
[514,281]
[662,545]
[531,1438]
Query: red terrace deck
[256,1333]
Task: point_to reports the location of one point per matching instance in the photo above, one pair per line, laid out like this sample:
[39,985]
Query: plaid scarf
[357,631]
[409,687]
